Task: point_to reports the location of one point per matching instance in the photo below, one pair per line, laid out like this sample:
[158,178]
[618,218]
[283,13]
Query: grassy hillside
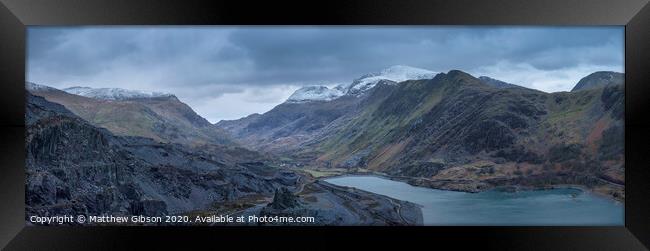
[456,127]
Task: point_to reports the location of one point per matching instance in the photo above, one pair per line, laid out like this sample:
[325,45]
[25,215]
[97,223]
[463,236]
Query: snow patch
[396,73]
[113,93]
[390,75]
[315,93]
[36,87]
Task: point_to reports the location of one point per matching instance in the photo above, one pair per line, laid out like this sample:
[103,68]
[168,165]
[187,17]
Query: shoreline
[506,188]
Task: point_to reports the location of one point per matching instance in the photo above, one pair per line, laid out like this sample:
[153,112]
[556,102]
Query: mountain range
[108,150]
[455,131]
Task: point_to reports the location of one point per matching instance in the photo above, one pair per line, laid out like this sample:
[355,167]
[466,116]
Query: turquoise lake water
[553,207]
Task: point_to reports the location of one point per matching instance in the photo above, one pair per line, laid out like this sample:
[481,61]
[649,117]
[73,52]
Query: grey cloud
[303,55]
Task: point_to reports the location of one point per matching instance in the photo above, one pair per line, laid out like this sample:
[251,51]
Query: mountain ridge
[163,118]
[113,93]
[498,83]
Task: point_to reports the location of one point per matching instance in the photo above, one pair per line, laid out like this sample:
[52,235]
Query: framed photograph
[141,123]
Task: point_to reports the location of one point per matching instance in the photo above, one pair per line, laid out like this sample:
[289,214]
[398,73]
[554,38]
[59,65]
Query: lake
[552,207]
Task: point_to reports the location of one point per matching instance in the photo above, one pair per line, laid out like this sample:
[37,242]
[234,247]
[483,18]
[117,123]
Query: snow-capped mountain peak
[396,73]
[113,93]
[315,93]
[391,75]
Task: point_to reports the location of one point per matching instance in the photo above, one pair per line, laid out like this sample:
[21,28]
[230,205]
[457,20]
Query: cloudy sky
[227,72]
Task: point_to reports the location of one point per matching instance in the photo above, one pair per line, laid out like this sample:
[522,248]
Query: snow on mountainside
[36,87]
[396,73]
[316,93]
[113,93]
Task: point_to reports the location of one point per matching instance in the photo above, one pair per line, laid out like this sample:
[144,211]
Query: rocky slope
[158,116]
[289,124]
[76,168]
[341,206]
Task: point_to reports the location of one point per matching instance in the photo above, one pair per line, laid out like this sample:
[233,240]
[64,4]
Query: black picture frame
[15,15]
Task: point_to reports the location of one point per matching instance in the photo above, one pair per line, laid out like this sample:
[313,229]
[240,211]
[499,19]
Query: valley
[454,132]
[76,168]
